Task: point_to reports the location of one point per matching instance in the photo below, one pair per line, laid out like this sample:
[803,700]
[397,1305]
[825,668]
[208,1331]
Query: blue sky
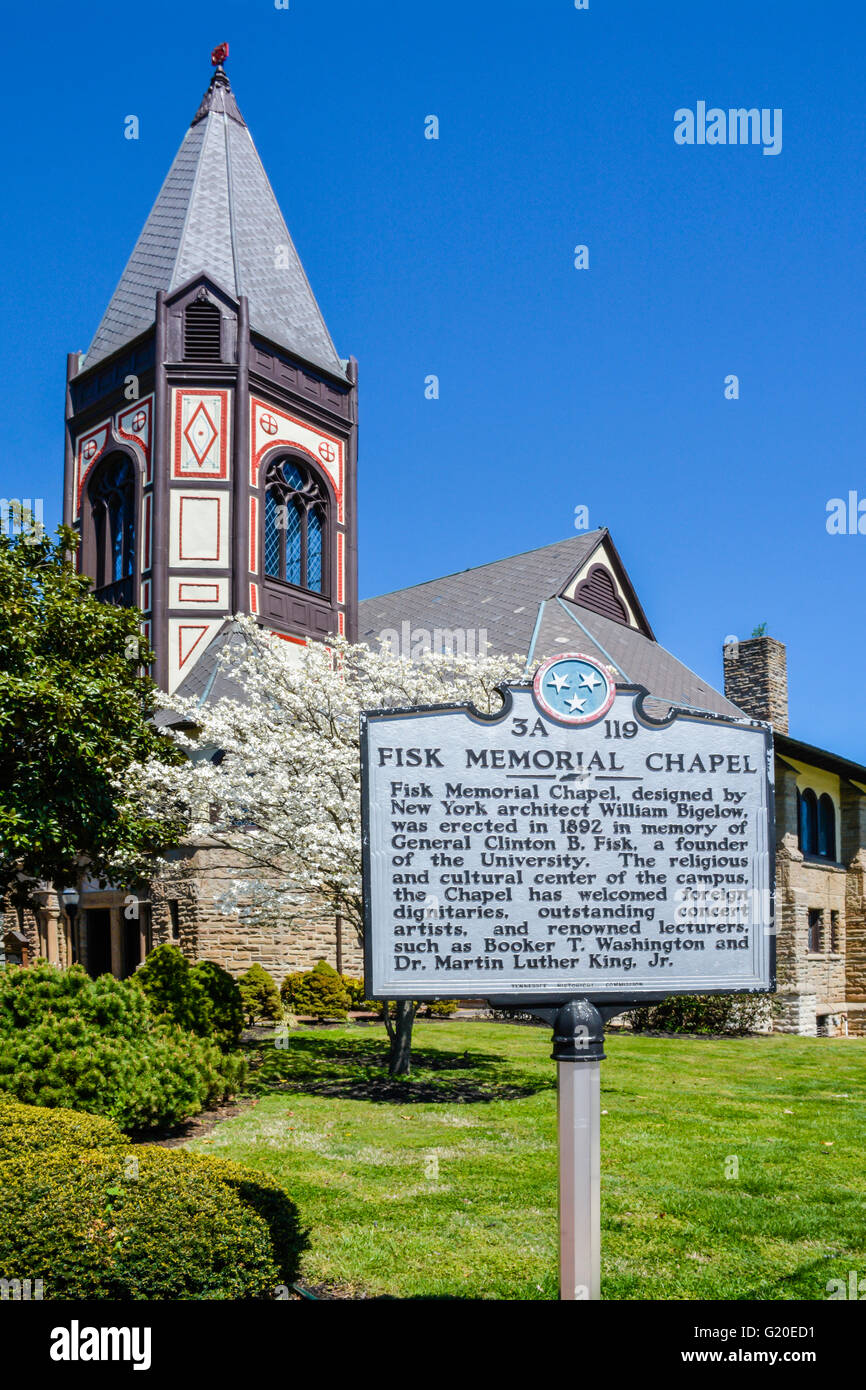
[558,387]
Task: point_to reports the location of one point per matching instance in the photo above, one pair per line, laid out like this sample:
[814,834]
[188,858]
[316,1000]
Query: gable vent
[598,593]
[201,332]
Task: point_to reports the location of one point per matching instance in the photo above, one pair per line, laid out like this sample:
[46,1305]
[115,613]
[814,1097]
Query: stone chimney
[756,679]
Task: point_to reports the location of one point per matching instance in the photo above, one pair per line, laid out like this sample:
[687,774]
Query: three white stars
[589,682]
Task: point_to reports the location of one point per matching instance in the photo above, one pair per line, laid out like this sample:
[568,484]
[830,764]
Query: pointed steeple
[216,213]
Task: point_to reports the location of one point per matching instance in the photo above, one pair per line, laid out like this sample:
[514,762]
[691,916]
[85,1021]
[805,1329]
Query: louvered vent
[598,594]
[201,332]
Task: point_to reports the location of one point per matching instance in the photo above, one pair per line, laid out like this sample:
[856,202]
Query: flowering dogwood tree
[283,792]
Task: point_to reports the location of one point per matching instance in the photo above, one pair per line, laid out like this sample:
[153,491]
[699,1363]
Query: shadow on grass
[319,1065]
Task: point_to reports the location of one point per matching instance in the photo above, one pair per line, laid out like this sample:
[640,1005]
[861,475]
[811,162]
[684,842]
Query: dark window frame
[815,940]
[309,499]
[110,525]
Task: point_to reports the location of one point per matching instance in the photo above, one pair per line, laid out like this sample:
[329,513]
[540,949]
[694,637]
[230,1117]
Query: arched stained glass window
[314,551]
[816,820]
[294,538]
[272,536]
[295,525]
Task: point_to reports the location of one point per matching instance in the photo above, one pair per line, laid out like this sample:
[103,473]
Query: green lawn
[445,1185]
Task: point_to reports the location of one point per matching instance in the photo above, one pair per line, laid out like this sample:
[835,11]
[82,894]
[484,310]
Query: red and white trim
[271,428]
[201,434]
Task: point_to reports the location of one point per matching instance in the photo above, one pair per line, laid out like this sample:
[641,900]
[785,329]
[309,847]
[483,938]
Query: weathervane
[219,55]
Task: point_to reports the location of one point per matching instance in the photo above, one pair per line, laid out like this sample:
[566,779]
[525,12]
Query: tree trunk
[400,1054]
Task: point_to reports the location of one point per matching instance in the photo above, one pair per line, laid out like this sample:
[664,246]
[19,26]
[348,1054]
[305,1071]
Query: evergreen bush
[175,993]
[94,1045]
[734,1014]
[33,1128]
[104,1222]
[442,1008]
[261,998]
[319,993]
[224,1005]
[355,990]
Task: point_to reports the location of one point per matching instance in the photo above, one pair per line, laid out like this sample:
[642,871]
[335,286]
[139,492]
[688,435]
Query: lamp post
[71,898]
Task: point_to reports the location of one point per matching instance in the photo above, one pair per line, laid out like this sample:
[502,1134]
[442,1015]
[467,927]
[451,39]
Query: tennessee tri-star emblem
[574,688]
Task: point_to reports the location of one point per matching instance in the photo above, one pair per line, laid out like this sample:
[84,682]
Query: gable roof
[502,597]
[216,213]
[520,604]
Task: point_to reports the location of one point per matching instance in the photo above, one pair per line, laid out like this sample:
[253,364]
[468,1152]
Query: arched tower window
[111,506]
[296,512]
[826,827]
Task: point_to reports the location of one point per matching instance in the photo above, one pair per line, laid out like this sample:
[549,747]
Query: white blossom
[285,794]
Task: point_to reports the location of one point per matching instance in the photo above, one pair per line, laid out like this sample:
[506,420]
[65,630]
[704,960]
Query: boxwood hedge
[95,1218]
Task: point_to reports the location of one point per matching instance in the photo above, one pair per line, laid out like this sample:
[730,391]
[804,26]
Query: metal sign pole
[578,1049]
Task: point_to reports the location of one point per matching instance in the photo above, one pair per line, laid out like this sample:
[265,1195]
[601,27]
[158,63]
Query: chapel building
[211,459]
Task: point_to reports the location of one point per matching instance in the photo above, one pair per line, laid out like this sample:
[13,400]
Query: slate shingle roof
[503,597]
[518,602]
[217,213]
[208,681]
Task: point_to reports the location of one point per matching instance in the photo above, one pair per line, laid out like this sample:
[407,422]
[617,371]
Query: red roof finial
[219,55]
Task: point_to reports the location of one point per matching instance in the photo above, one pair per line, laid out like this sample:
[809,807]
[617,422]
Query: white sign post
[570,856]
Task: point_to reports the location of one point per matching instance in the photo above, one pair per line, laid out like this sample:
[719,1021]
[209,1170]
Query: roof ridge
[488,564]
[190,203]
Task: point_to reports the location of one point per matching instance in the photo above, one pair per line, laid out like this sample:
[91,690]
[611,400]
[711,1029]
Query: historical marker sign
[571,845]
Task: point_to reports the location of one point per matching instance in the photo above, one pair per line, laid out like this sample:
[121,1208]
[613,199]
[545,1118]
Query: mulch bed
[195,1127]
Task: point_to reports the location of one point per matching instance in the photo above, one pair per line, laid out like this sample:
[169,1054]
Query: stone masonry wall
[807,982]
[288,942]
[854,848]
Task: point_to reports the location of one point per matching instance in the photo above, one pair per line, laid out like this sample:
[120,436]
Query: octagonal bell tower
[211,428]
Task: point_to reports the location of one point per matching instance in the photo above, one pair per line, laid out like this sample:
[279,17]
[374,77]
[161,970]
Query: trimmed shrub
[224,1003]
[734,1014]
[355,990]
[157,1079]
[149,1223]
[320,992]
[261,998]
[67,1040]
[202,998]
[33,1128]
[442,1008]
[30,995]
[174,992]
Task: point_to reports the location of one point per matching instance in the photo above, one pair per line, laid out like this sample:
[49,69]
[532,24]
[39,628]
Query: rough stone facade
[820,897]
[756,679]
[812,983]
[114,929]
[186,908]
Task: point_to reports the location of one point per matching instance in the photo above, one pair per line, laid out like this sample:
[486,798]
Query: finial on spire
[219,96]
